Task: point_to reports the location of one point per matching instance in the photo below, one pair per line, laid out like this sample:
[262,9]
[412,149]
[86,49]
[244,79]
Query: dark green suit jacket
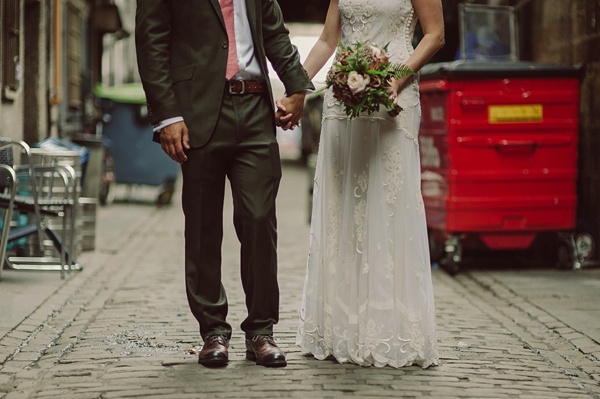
[181,50]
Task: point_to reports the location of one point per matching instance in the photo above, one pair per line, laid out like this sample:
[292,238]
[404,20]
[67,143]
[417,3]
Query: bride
[368,296]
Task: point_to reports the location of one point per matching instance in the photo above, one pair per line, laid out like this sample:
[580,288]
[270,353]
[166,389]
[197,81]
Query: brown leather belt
[245,86]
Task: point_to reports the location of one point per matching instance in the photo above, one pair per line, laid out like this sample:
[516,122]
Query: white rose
[376,51]
[357,82]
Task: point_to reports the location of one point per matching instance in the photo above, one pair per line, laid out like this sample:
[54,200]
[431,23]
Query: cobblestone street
[122,328]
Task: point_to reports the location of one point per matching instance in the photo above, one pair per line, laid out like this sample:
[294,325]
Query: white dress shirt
[247,61]
[249,66]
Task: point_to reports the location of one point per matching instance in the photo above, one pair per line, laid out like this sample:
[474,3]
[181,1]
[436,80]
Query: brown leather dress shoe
[214,351]
[263,350]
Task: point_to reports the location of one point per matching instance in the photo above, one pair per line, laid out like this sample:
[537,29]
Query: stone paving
[121,328]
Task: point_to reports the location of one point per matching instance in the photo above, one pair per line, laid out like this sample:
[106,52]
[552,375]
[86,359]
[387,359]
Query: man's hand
[289,110]
[174,140]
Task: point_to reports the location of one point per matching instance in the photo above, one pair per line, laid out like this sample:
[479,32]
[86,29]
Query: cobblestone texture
[122,329]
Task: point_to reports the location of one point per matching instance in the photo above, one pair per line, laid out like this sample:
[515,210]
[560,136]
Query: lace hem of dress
[321,348]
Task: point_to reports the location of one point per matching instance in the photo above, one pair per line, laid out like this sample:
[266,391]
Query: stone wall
[568,33]
[11,102]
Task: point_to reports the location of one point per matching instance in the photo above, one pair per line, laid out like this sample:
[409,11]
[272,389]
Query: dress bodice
[379,22]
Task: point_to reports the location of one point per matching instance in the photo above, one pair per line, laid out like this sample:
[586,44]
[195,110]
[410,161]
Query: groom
[203,67]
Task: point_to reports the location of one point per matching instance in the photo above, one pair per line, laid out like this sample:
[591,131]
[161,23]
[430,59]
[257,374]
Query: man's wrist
[162,124]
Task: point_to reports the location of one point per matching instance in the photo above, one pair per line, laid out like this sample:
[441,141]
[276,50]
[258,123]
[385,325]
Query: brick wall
[568,33]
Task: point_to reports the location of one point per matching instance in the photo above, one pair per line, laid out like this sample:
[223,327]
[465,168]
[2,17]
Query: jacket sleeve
[279,50]
[152,40]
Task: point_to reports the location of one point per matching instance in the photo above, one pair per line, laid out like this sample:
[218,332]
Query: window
[10,49]
[74,42]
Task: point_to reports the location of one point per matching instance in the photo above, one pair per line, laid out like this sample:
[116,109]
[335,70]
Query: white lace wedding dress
[368,296]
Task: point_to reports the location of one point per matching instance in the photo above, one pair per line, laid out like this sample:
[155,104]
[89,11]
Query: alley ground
[121,328]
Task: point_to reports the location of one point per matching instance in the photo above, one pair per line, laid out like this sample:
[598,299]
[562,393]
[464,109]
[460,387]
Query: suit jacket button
[224,45]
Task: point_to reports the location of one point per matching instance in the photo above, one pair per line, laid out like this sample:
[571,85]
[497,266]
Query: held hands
[289,110]
[174,140]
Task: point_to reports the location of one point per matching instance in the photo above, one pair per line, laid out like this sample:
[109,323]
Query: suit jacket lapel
[251,11]
[217,7]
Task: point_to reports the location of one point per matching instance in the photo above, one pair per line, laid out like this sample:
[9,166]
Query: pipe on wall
[56,91]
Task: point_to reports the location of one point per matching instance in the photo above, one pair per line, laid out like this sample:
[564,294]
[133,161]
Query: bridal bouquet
[360,77]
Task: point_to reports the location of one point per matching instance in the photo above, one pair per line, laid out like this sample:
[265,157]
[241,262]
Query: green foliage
[376,73]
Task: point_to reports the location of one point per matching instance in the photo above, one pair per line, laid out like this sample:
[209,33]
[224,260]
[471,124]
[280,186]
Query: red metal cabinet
[498,146]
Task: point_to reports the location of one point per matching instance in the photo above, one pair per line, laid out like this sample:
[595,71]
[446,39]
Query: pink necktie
[232,62]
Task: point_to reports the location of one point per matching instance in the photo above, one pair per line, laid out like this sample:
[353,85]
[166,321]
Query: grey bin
[136,158]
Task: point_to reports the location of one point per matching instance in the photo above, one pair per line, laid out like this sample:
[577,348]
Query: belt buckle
[243,87]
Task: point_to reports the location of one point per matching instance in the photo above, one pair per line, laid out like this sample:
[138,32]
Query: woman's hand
[396,86]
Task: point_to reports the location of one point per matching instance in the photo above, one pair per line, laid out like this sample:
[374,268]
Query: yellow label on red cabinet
[515,113]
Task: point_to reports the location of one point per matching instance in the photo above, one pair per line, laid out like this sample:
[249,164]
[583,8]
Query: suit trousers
[244,150]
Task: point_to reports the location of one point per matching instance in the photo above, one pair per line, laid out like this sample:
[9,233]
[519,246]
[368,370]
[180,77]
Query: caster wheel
[166,193]
[453,249]
[107,193]
[165,197]
[584,243]
[107,180]
[450,265]
[564,258]
[436,250]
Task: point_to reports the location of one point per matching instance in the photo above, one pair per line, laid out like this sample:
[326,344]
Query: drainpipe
[56,91]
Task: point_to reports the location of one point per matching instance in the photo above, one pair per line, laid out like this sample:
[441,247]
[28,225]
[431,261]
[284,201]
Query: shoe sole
[275,363]
[214,362]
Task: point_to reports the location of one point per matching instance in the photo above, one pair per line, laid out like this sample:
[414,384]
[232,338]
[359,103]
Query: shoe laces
[268,338]
[220,338]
